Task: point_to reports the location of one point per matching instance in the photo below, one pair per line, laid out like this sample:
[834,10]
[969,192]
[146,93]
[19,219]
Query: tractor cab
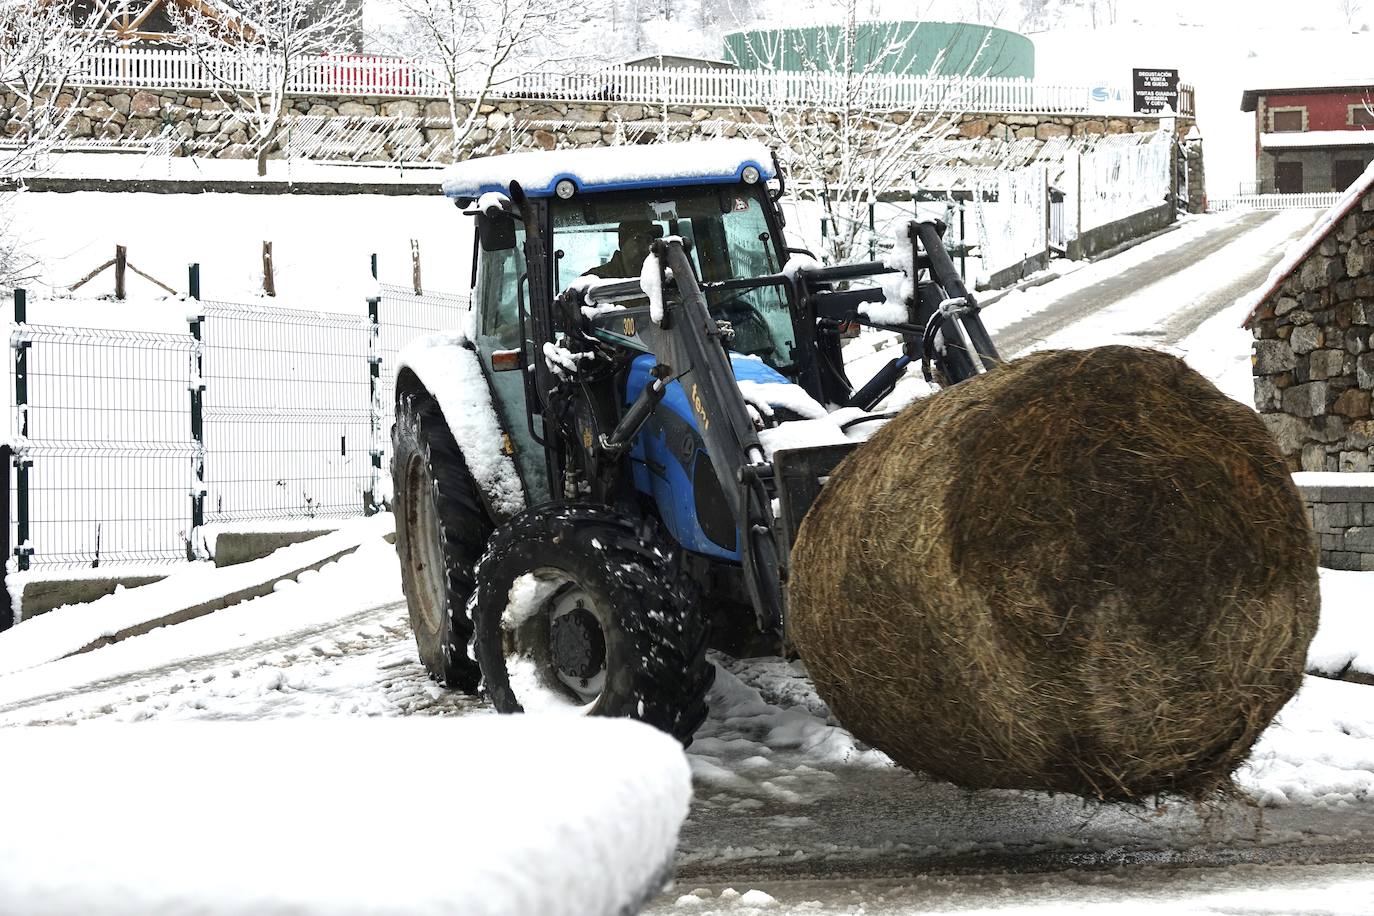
[593,233]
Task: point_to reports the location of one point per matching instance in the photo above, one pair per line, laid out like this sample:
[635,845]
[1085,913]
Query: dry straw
[1086,572]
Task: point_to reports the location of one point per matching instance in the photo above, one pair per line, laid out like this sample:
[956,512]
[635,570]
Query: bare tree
[1350,10]
[255,55]
[988,12]
[43,47]
[476,46]
[845,140]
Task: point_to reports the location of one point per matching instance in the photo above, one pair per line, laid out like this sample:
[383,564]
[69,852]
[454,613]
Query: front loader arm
[689,341]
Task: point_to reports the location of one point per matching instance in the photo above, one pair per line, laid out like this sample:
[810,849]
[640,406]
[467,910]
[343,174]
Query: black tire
[653,634]
[439,519]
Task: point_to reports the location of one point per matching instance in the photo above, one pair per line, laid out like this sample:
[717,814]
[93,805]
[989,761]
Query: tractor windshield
[608,235]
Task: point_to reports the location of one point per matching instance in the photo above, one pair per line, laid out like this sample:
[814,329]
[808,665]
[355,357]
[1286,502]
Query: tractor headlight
[750,175]
[565,189]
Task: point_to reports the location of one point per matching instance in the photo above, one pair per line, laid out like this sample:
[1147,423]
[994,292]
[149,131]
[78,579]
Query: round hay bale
[1086,572]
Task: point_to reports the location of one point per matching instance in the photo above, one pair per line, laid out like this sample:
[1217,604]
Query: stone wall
[1342,515]
[201,120]
[1313,359]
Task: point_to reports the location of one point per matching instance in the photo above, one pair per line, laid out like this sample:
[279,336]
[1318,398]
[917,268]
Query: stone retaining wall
[1313,365]
[1341,509]
[113,115]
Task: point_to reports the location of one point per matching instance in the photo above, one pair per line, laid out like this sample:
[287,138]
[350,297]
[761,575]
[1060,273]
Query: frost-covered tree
[476,46]
[835,126]
[253,59]
[43,45]
[1350,11]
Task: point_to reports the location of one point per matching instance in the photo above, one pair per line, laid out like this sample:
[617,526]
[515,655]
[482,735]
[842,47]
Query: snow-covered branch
[475,46]
[254,54]
[43,44]
[848,152]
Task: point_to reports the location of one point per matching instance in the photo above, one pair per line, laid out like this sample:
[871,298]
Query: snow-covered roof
[611,168]
[1249,99]
[1363,186]
[1310,138]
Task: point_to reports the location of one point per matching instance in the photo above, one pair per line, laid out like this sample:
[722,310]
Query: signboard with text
[1154,90]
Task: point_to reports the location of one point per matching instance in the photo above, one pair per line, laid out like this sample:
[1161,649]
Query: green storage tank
[1005,54]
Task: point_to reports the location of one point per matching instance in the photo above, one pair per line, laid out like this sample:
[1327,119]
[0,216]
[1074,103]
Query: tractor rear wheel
[441,531]
[580,610]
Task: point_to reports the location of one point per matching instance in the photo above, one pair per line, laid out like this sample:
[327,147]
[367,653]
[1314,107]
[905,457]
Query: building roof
[678,62]
[1349,202]
[1319,138]
[1249,99]
[611,168]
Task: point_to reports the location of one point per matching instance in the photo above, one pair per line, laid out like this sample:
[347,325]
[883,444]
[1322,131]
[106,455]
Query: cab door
[505,348]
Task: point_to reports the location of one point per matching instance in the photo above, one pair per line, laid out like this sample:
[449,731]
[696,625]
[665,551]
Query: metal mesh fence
[288,409]
[127,441]
[403,316]
[104,467]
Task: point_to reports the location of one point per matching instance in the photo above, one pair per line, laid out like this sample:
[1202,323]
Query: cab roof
[611,168]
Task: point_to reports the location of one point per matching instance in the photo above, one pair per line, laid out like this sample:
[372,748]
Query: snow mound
[483,816]
[1345,640]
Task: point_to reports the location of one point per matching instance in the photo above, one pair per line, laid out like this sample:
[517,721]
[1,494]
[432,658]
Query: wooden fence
[375,75]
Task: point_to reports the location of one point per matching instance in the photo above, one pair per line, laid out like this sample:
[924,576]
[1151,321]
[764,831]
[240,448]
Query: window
[1344,172]
[609,235]
[1361,115]
[498,275]
[1289,119]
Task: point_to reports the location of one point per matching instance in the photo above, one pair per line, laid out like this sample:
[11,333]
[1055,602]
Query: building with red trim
[1313,137]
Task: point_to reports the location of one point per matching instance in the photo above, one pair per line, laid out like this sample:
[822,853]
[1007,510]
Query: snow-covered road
[1158,292]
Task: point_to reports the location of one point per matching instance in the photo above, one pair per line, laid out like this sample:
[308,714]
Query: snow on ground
[261,817]
[355,597]
[1260,890]
[65,630]
[321,246]
[1137,319]
[1077,276]
[1345,641]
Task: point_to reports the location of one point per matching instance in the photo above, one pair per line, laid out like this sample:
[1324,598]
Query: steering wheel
[753,336]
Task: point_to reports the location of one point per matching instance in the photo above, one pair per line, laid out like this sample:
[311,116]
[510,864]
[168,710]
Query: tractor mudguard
[448,367]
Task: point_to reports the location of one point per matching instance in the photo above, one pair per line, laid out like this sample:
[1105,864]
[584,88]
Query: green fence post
[196,385]
[22,462]
[374,388]
[872,232]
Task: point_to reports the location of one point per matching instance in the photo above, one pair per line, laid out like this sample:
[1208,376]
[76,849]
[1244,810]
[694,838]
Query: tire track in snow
[376,641]
[1082,305]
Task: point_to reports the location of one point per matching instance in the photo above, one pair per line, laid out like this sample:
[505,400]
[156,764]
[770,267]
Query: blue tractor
[585,496]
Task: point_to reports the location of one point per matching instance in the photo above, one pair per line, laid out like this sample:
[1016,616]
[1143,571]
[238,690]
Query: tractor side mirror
[496,231]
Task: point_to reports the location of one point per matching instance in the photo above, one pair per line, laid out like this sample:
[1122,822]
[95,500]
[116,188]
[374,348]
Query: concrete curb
[182,615]
[1026,284]
[1127,246]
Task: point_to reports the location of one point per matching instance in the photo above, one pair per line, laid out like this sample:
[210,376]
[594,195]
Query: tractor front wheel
[582,610]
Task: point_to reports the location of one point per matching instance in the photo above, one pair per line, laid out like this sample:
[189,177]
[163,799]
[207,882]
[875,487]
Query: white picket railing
[1313,201]
[375,75]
